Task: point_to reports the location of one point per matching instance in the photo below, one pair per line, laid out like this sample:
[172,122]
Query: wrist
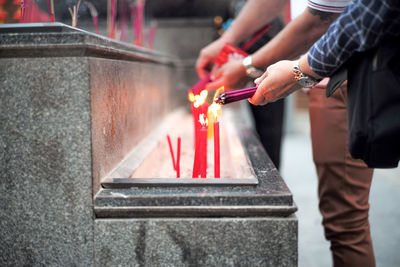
[251,71]
[306,69]
[228,37]
[302,78]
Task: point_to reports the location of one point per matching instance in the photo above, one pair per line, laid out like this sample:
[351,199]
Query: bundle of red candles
[200,108]
[236,95]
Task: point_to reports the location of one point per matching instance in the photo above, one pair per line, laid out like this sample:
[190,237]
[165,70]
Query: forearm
[349,34]
[254,15]
[295,39]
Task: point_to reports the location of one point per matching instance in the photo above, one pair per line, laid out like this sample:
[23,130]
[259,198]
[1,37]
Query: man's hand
[277,82]
[231,75]
[206,57]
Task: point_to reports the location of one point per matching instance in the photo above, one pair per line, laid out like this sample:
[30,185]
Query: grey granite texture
[45,159]
[48,139]
[196,242]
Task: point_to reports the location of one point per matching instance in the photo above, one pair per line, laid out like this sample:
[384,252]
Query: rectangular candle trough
[151,162]
[145,183]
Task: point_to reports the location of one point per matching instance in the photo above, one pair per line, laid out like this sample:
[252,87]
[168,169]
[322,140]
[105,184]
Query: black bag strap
[336,80]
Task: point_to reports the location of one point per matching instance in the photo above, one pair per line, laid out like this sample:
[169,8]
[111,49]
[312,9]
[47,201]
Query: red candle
[203,152]
[203,147]
[196,166]
[171,150]
[200,155]
[178,159]
[216,150]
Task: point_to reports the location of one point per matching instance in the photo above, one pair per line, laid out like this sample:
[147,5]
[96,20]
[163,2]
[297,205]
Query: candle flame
[218,91]
[191,97]
[203,119]
[200,99]
[215,108]
[204,94]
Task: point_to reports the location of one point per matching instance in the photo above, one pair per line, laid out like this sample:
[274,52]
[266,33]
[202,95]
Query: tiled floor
[299,173]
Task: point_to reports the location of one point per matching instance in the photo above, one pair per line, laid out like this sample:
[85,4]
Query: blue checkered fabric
[363,24]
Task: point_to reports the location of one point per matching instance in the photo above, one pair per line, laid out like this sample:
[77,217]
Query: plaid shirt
[362,25]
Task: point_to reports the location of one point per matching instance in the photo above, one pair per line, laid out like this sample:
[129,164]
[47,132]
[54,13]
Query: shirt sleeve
[332,6]
[361,26]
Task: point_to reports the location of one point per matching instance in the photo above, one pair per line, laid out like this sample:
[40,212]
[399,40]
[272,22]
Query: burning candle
[200,155]
[215,108]
[203,146]
[200,106]
[213,112]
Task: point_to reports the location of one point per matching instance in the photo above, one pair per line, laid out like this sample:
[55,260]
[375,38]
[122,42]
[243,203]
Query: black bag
[373,104]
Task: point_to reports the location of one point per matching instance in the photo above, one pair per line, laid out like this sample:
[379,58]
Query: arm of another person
[294,40]
[254,15]
[363,24]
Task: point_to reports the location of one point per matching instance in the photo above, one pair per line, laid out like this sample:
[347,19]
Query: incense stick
[74,13]
[94,14]
[51,10]
[236,95]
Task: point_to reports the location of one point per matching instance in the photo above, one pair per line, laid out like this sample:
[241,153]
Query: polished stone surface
[196,242]
[45,144]
[60,40]
[128,101]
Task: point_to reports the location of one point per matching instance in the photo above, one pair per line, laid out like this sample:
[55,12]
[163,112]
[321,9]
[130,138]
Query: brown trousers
[344,183]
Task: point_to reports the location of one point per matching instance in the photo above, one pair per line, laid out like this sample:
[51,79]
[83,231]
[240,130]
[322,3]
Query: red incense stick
[94,14]
[51,10]
[123,17]
[113,14]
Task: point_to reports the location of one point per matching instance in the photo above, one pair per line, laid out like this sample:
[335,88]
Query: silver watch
[303,79]
[251,71]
